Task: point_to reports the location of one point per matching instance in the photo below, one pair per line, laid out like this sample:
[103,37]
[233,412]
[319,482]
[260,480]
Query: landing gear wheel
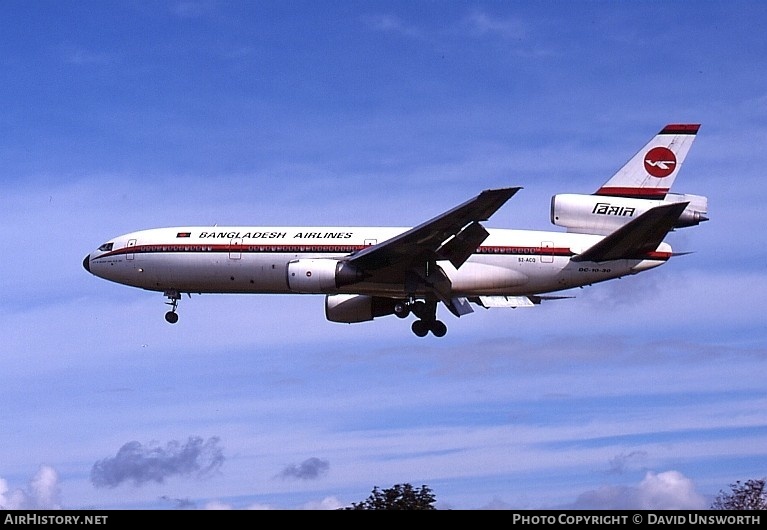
[173,296]
[401,309]
[438,328]
[420,328]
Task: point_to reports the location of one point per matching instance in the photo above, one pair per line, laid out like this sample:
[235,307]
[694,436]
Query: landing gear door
[129,255]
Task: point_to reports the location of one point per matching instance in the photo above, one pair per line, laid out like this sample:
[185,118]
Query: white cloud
[669,490]
[42,493]
[217,505]
[327,503]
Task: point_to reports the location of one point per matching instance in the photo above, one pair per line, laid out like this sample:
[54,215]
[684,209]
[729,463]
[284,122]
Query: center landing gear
[174,296]
[427,317]
[423,327]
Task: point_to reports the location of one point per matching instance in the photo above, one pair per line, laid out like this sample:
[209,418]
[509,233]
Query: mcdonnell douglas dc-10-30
[370,272]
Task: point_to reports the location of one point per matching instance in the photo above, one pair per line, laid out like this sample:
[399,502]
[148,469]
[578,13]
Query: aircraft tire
[171,317]
[438,328]
[401,310]
[420,328]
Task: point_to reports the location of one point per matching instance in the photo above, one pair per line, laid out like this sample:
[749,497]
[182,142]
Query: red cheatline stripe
[314,249]
[634,193]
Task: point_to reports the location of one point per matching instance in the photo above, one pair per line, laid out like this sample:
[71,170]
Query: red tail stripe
[681,128]
[640,193]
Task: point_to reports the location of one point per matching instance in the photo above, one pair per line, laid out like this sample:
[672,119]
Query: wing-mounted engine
[600,214]
[352,308]
[320,276]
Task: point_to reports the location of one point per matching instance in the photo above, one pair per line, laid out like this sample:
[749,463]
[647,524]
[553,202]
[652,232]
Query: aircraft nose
[87,263]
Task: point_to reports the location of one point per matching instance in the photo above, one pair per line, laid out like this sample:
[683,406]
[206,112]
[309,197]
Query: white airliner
[370,272]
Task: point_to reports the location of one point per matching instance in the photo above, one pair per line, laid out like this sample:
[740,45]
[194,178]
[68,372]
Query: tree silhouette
[398,497]
[748,496]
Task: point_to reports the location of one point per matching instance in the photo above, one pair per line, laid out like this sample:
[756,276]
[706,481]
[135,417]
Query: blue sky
[646,392]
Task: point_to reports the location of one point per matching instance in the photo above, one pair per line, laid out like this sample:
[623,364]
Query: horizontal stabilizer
[635,239]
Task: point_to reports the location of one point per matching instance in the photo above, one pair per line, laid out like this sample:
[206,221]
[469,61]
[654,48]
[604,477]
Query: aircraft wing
[635,239]
[452,235]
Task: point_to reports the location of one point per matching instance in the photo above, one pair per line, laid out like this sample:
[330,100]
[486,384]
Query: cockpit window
[106,247]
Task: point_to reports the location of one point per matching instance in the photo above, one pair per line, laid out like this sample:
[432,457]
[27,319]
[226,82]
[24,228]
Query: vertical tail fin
[650,173]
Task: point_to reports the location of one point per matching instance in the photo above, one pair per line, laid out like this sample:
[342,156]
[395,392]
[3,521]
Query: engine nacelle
[312,276]
[320,276]
[351,308]
[695,213]
[602,214]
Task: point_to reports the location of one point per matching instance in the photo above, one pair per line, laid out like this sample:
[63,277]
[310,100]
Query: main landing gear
[427,317]
[174,296]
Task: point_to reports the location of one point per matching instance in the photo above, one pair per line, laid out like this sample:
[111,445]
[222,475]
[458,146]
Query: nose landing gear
[173,297]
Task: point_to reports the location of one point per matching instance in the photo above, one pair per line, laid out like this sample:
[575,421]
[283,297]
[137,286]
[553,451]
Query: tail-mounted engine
[603,214]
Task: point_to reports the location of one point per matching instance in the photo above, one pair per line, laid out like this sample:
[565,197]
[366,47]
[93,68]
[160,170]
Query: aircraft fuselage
[258,260]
